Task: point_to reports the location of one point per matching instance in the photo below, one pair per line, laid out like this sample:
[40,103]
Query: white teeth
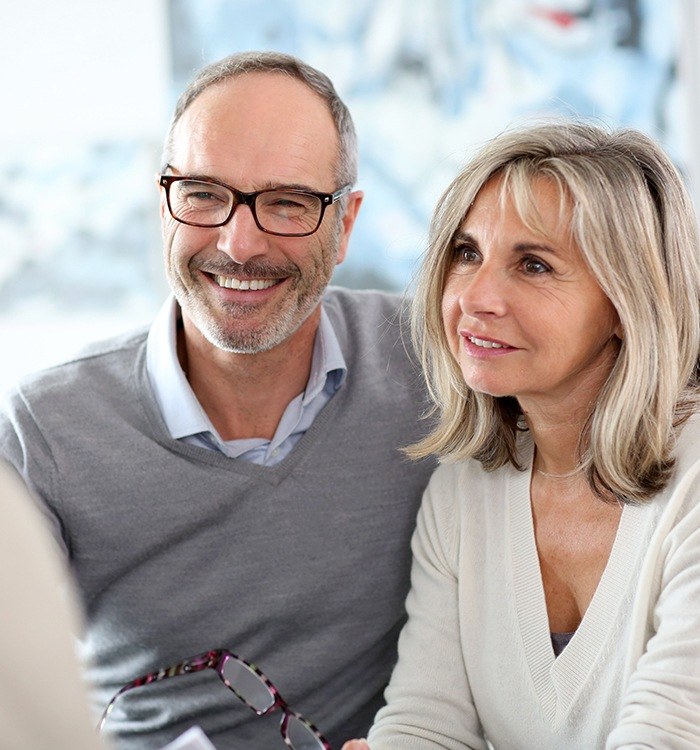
[485,344]
[245,284]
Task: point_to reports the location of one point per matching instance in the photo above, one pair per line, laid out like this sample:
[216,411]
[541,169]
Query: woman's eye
[465,254]
[535,266]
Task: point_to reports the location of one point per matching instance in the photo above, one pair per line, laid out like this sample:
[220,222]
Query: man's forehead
[268,120]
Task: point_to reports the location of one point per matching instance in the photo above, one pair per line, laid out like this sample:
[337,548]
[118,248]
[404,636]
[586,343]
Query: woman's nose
[484,291]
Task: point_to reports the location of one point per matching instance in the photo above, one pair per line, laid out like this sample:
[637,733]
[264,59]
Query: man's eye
[295,203]
[202,196]
[287,203]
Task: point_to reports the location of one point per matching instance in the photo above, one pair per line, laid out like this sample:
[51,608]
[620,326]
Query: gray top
[560,641]
[300,567]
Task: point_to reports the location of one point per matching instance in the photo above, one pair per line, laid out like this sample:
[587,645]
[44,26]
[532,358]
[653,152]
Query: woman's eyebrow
[520,247]
[460,236]
[538,247]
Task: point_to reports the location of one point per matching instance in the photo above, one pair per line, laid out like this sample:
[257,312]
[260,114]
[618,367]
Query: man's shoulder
[359,314]
[374,333]
[364,303]
[103,359]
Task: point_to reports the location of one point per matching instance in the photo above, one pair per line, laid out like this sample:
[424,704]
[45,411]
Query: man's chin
[249,343]
[248,333]
[245,341]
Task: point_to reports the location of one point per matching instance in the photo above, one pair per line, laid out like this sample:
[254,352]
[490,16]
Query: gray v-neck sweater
[301,567]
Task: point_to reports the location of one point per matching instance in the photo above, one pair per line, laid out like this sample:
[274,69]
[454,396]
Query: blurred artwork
[77,228]
[428,82]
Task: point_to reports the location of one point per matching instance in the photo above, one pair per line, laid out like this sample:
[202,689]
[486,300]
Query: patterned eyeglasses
[250,685]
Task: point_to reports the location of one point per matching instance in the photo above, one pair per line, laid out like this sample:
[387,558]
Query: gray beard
[251,342]
[275,331]
[278,328]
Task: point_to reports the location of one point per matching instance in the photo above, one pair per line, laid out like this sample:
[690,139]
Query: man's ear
[348,221]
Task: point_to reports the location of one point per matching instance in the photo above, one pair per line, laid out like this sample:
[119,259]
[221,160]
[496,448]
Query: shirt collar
[327,360]
[181,411]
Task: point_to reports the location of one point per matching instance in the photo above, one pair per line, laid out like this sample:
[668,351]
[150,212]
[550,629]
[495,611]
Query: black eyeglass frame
[327,199]
[216,659]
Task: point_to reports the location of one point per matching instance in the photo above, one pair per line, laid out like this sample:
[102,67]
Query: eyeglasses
[286,212]
[250,685]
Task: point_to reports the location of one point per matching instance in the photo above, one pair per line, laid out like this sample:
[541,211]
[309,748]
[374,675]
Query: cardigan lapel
[557,682]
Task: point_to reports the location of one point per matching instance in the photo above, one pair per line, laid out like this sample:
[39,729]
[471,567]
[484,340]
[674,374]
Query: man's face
[244,290]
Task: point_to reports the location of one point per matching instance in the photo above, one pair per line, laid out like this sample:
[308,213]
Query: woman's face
[523,315]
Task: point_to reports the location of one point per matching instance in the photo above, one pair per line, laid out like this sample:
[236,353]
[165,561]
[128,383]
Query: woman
[555,597]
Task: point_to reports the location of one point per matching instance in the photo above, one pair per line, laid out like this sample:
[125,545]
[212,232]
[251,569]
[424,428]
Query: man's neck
[245,395]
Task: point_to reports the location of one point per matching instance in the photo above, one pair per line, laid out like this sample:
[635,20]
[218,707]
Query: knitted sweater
[300,567]
[476,660]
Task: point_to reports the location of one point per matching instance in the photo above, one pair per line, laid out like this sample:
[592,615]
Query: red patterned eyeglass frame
[216,659]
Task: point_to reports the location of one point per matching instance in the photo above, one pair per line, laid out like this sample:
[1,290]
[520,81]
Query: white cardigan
[475,658]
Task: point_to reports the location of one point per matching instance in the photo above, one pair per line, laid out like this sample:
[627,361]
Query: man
[233,479]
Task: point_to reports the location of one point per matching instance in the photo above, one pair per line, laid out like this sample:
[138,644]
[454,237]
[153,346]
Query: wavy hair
[633,221]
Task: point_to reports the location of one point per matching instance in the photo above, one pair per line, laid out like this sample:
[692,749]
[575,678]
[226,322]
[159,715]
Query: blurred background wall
[89,86]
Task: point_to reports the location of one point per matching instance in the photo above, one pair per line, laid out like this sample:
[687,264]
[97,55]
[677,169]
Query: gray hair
[275,62]
[633,221]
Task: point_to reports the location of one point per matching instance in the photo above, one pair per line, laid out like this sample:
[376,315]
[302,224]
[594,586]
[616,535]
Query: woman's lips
[483,345]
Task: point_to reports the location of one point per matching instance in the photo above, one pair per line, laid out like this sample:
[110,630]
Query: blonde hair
[633,220]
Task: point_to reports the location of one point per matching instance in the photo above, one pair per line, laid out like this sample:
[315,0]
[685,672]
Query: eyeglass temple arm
[208,660]
[340,193]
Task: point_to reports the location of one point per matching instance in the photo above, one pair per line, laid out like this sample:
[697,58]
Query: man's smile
[230,282]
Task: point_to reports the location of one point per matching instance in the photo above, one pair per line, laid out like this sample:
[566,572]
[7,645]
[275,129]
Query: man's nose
[241,238]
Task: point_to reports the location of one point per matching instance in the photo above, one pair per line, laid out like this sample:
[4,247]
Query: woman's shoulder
[681,496]
[467,484]
[687,452]
[451,472]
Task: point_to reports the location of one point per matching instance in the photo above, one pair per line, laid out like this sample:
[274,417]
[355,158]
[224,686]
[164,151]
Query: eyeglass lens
[301,737]
[245,683]
[254,691]
[281,211]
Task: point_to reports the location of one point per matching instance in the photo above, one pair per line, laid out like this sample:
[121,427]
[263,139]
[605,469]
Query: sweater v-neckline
[273,474]
[557,681]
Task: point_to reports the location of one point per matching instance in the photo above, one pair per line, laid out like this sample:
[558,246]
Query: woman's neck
[556,435]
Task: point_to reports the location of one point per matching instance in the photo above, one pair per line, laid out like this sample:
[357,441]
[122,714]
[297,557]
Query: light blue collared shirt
[187,421]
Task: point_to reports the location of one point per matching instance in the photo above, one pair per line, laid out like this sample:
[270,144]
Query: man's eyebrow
[194,175]
[292,186]
[269,185]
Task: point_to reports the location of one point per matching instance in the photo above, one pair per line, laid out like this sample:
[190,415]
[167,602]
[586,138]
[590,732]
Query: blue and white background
[429,81]
[91,84]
